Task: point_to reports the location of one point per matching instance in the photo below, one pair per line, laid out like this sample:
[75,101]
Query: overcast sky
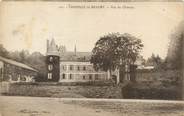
[26,25]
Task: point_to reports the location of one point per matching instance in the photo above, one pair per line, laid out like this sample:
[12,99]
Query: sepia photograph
[91,58]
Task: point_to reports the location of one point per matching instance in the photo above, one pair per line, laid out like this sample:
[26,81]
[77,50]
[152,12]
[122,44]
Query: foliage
[20,56]
[145,91]
[114,50]
[35,60]
[3,51]
[156,61]
[175,50]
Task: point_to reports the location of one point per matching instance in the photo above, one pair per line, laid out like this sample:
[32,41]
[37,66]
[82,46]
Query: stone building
[72,66]
[73,71]
[13,71]
[52,61]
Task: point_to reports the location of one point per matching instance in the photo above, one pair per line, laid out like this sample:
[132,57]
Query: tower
[52,61]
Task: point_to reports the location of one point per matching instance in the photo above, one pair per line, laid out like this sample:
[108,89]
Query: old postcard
[91,58]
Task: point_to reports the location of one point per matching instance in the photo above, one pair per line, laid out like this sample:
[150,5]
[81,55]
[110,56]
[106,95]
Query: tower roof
[52,48]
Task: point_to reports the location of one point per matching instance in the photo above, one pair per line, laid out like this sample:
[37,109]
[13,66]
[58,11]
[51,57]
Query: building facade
[52,61]
[73,71]
[71,66]
[13,71]
[74,66]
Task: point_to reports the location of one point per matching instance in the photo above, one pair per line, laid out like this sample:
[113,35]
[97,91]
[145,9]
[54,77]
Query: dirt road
[42,106]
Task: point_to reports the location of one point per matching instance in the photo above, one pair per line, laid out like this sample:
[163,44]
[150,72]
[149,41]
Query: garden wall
[58,90]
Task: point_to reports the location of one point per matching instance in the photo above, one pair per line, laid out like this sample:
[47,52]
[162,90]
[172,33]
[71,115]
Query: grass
[133,108]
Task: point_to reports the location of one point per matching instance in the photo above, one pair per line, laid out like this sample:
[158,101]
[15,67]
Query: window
[49,75]
[84,68]
[63,76]
[50,67]
[71,67]
[84,77]
[63,67]
[78,68]
[70,76]
[128,78]
[90,77]
[51,59]
[96,76]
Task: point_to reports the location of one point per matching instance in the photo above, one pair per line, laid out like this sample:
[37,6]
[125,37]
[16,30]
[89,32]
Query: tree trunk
[121,73]
[133,73]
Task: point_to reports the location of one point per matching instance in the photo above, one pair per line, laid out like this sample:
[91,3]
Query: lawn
[43,106]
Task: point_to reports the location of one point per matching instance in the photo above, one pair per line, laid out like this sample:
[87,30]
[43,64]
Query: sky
[27,25]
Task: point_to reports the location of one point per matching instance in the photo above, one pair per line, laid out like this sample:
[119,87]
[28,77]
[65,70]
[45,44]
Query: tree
[3,51]
[20,56]
[115,50]
[155,61]
[37,61]
[175,51]
[24,54]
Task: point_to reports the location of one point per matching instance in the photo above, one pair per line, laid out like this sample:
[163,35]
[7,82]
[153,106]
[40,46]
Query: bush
[133,91]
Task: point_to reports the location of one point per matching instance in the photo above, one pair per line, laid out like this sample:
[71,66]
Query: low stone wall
[54,90]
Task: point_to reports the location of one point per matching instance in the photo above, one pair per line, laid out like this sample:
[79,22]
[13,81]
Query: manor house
[63,66]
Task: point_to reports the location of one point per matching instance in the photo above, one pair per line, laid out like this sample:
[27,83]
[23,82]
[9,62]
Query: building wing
[16,63]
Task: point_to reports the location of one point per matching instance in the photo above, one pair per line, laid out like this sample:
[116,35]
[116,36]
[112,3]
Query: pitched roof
[74,63]
[16,63]
[78,56]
